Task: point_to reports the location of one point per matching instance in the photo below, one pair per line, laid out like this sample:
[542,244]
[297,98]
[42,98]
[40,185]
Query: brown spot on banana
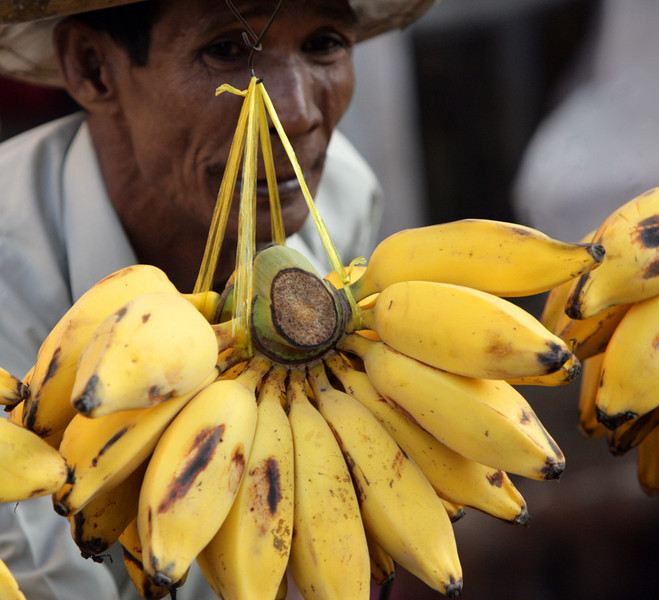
[87,401]
[647,232]
[91,546]
[202,450]
[652,270]
[274,489]
[110,443]
[553,358]
[281,536]
[495,479]
[52,365]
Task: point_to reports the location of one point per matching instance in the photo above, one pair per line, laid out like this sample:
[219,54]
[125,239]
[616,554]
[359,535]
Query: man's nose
[291,90]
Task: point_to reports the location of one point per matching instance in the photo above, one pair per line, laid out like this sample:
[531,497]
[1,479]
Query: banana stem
[254,372]
[365,319]
[356,344]
[337,365]
[295,390]
[273,382]
[318,379]
[224,333]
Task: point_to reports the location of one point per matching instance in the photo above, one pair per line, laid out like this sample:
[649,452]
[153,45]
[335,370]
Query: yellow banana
[12,390]
[15,415]
[353,271]
[648,463]
[99,523]
[569,371]
[632,433]
[399,507]
[485,420]
[454,477]
[329,556]
[131,549]
[630,370]
[207,303]
[588,425]
[383,568]
[502,258]
[463,330]
[154,347]
[454,511]
[248,556]
[48,408]
[31,467]
[195,472]
[102,452]
[587,337]
[629,272]
[554,308]
[9,589]
[282,591]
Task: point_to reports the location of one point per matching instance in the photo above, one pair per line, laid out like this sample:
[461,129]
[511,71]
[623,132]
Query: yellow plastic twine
[253,127]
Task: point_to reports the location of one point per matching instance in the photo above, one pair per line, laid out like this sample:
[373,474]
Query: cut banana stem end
[296,315]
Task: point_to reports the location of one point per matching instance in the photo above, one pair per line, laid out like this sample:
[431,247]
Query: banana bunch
[610,319]
[336,435]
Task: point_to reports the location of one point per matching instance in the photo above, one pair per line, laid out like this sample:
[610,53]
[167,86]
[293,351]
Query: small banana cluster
[610,319]
[339,435]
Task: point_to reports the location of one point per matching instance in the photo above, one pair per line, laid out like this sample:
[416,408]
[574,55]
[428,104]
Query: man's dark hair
[128,25]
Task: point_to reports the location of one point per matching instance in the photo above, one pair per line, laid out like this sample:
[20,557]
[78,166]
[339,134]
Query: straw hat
[26,50]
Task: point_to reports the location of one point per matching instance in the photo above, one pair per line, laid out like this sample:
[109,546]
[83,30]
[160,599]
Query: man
[134,178]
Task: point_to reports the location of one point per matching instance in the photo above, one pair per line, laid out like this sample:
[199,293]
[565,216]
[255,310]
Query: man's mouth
[285,187]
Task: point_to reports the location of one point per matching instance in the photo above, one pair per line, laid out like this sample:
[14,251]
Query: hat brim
[26,28]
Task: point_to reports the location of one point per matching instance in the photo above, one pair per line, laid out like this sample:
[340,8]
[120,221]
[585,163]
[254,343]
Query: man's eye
[325,44]
[226,50]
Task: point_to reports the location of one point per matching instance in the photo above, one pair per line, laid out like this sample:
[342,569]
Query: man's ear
[82,53]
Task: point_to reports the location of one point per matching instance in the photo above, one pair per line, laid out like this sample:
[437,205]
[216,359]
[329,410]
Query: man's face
[181,132]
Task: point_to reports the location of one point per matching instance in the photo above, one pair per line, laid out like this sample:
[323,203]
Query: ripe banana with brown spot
[103,451]
[630,370]
[48,408]
[131,549]
[502,258]
[632,433]
[12,390]
[454,477]
[99,523]
[155,346]
[400,508]
[32,468]
[485,420]
[569,371]
[329,557]
[464,330]
[195,472]
[587,337]
[630,270]
[247,558]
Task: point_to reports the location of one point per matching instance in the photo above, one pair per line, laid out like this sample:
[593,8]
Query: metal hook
[254,44]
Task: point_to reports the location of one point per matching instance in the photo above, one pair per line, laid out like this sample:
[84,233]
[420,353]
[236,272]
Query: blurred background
[540,112]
